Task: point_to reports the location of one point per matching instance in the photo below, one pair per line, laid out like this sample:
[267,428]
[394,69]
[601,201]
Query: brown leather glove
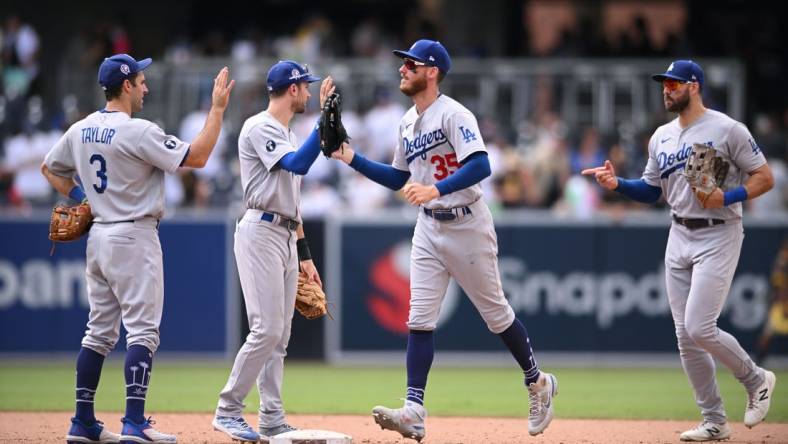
[69,223]
[310,299]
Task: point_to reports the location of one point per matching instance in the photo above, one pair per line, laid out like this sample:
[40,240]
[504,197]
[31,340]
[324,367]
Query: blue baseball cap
[683,70]
[287,72]
[116,69]
[429,52]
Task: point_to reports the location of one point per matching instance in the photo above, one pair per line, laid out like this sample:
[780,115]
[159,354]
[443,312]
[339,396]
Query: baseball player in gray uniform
[269,249]
[121,162]
[704,242]
[441,149]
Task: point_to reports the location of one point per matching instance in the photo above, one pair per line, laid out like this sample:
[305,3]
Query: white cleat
[408,420]
[540,396]
[759,402]
[707,431]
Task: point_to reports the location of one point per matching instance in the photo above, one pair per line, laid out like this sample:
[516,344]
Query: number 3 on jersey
[101,173]
[444,165]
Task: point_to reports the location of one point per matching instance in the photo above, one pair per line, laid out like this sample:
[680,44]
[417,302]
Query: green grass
[584,393]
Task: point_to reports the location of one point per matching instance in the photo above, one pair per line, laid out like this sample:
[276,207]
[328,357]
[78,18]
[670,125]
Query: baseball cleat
[408,420]
[270,432]
[759,401]
[707,431]
[236,428]
[540,397]
[143,433]
[93,434]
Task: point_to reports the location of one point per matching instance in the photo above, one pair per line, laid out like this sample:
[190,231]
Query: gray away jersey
[432,145]
[262,143]
[121,163]
[670,147]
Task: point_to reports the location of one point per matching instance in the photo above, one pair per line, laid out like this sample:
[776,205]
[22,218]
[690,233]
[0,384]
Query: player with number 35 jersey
[440,149]
[434,144]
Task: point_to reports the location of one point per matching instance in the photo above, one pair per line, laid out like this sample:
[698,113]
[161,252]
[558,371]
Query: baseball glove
[705,171]
[330,129]
[69,223]
[310,299]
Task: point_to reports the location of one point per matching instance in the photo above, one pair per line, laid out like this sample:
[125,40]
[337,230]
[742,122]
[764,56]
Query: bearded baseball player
[121,161]
[705,238]
[269,249]
[441,150]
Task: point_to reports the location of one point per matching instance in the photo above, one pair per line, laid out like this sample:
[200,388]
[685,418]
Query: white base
[311,437]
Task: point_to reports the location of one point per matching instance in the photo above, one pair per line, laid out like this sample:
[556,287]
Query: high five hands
[327,88]
[221,89]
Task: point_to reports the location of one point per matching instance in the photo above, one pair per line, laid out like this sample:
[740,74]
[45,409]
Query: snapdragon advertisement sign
[44,301]
[576,287]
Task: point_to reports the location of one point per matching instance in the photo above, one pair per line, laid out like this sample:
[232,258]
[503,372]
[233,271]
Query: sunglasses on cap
[411,64]
[673,84]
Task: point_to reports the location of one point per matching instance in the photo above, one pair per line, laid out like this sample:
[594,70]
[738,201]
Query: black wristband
[303,250]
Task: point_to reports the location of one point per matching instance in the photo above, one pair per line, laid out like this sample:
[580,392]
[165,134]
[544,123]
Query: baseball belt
[694,224]
[447,214]
[282,221]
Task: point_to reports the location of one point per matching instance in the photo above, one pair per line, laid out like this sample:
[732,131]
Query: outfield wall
[582,288]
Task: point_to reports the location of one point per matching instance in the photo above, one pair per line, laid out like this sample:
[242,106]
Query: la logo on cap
[670,68]
[124,68]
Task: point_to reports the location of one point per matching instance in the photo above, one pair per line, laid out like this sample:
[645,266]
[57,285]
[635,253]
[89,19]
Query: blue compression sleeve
[386,175]
[300,161]
[475,168]
[639,190]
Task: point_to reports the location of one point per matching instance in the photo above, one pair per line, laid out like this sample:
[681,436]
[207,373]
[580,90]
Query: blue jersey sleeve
[639,190]
[384,174]
[301,160]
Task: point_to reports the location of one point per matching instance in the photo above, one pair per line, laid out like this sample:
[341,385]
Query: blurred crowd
[534,165]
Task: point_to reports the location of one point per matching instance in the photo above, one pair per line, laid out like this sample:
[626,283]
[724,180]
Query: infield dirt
[191,428]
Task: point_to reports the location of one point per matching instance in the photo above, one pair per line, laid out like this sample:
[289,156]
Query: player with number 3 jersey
[117,163]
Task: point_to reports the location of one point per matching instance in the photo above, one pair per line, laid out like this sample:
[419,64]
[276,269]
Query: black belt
[282,221]
[694,224]
[447,213]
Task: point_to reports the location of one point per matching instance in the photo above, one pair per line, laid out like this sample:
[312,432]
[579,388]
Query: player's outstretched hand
[605,175]
[327,88]
[221,89]
[418,194]
[345,153]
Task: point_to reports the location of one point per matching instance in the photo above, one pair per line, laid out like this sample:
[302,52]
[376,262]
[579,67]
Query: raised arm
[202,145]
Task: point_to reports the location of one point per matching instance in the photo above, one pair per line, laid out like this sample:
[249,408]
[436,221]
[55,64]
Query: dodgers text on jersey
[423,143]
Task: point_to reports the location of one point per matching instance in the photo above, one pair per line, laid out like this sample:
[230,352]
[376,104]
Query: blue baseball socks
[516,339]
[138,366]
[89,363]
[421,349]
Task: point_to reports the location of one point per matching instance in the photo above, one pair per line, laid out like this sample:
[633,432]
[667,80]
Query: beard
[416,86]
[679,103]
